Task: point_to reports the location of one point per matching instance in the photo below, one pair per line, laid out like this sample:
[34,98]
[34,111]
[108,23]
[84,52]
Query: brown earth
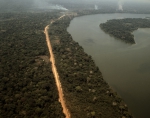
[56,75]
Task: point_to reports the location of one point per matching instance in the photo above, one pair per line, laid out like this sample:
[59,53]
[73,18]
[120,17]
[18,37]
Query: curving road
[56,75]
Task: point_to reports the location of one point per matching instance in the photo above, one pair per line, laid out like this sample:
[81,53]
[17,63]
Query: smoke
[21,5]
[46,4]
[96,7]
[58,7]
[120,5]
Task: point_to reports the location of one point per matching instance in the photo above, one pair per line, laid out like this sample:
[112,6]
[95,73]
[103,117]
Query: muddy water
[125,67]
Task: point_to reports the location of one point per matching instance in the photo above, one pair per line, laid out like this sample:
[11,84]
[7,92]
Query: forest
[87,95]
[123,28]
[27,84]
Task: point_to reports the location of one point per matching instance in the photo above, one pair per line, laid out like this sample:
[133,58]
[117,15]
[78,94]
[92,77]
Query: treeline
[87,95]
[27,85]
[107,11]
[122,28]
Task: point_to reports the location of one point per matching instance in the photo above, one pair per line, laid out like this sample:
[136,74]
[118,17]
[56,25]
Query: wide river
[125,67]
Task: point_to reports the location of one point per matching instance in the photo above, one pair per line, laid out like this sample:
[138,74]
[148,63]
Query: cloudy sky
[6,4]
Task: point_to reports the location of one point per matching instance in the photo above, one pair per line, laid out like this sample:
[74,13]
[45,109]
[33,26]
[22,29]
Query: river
[125,67]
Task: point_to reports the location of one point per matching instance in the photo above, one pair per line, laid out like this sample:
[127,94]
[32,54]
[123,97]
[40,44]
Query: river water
[125,67]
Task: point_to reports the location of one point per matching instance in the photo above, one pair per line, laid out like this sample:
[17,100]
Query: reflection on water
[125,67]
[144,68]
[89,41]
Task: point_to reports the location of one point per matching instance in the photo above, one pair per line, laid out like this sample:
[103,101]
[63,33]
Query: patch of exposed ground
[56,75]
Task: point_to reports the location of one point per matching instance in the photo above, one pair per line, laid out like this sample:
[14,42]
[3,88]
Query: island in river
[123,28]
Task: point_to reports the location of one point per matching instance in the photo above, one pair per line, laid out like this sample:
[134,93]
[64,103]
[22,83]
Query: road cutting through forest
[54,70]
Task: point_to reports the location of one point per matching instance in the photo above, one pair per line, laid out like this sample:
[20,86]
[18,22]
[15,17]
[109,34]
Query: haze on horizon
[64,4]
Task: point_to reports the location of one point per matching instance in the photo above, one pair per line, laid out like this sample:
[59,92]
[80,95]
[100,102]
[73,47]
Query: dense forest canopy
[27,85]
[26,81]
[123,28]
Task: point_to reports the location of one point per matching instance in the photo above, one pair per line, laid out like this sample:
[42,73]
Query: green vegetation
[86,93]
[27,85]
[123,28]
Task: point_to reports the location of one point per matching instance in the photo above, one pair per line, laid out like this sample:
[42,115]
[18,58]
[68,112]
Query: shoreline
[76,61]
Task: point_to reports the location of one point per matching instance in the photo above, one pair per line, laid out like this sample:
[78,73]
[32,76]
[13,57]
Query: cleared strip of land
[56,75]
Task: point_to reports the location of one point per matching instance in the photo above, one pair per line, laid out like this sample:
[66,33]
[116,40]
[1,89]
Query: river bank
[86,92]
[124,66]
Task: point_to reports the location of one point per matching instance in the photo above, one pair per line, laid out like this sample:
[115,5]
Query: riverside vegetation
[122,28]
[27,84]
[87,94]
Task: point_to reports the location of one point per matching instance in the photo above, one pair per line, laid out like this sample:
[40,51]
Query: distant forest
[122,28]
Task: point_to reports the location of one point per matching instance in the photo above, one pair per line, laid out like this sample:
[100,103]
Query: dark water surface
[125,67]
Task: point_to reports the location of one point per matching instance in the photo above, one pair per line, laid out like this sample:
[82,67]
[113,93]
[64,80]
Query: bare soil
[56,75]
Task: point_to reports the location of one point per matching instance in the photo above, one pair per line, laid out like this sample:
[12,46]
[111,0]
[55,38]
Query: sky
[18,4]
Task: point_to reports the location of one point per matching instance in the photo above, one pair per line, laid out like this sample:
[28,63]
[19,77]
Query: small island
[122,28]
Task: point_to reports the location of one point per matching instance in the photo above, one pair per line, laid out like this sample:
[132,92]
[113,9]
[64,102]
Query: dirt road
[56,75]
